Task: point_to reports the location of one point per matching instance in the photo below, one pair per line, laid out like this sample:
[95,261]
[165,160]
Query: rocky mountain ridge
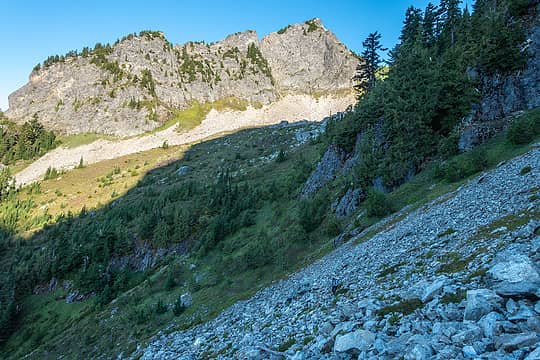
[134,85]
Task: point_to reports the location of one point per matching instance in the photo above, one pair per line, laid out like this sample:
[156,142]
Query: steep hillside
[425,250]
[450,280]
[134,85]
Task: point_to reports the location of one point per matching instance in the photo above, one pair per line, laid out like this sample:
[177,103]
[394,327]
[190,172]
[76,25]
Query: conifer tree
[429,23]
[412,26]
[450,15]
[366,70]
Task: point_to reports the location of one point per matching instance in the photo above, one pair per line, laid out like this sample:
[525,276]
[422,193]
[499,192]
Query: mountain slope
[424,260]
[291,107]
[134,85]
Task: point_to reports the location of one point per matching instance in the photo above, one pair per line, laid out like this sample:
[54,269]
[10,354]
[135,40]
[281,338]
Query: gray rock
[533,324]
[349,202]
[434,289]
[469,352]
[512,306]
[511,342]
[186,300]
[354,342]
[77,96]
[327,169]
[449,352]
[183,170]
[535,355]
[480,302]
[517,276]
[324,345]
[523,312]
[379,346]
[419,352]
[468,336]
[490,324]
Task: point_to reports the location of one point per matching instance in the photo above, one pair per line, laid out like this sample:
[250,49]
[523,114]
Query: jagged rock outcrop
[327,169]
[134,85]
[308,58]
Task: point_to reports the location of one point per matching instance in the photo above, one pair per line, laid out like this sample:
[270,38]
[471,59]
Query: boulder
[354,342]
[186,300]
[419,352]
[183,170]
[517,276]
[469,352]
[490,324]
[511,342]
[468,336]
[481,302]
[535,355]
[434,289]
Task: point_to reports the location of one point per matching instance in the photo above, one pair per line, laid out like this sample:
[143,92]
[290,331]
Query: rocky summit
[457,278]
[136,84]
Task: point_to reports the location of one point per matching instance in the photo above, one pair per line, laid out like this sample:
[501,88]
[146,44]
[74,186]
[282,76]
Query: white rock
[356,341]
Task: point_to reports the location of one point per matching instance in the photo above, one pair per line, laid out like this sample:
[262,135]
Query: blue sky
[32,30]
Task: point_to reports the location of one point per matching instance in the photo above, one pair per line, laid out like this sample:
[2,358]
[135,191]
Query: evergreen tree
[450,14]
[7,183]
[366,70]
[429,23]
[412,26]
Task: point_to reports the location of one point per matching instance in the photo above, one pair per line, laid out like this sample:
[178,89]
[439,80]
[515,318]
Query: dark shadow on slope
[219,189]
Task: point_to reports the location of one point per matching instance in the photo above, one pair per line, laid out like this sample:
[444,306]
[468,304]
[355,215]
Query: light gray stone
[434,289]
[186,300]
[480,302]
[511,342]
[517,276]
[354,342]
[490,324]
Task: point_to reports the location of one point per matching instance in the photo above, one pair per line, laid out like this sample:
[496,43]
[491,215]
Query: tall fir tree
[371,62]
[412,26]
[429,24]
[450,13]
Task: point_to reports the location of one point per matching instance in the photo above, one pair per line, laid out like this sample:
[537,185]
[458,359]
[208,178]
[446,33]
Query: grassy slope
[71,190]
[51,327]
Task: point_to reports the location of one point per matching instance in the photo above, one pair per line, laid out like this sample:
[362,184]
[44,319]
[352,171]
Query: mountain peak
[132,86]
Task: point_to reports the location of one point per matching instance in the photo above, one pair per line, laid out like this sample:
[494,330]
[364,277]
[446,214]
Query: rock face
[134,85]
[349,202]
[327,169]
[502,96]
[308,58]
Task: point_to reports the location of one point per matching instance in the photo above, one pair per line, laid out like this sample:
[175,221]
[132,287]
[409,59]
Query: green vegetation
[368,69]
[312,25]
[237,217]
[25,142]
[378,204]
[193,116]
[287,344]
[72,141]
[454,298]
[525,128]
[411,117]
[283,29]
[405,307]
[236,227]
[257,58]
